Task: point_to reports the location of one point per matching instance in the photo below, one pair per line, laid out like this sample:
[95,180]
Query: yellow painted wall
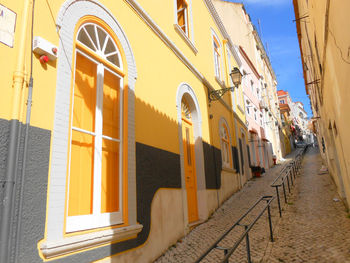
[330,98]
[8,57]
[160,72]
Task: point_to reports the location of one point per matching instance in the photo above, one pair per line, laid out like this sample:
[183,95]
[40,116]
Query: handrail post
[278,201]
[288,183]
[284,192]
[225,253]
[247,245]
[270,222]
[291,177]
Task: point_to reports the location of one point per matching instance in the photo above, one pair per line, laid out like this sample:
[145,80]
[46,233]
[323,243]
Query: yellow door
[189,161]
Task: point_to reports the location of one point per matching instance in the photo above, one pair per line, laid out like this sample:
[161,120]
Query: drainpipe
[12,155]
[25,149]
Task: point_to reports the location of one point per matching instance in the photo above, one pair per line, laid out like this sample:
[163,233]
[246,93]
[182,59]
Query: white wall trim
[69,15]
[185,38]
[185,90]
[222,120]
[76,243]
[159,32]
[222,29]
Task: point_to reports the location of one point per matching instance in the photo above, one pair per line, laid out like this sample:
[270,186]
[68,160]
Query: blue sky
[279,32]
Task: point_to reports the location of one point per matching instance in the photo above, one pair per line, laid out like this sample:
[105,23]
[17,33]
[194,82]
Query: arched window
[226,155]
[95,183]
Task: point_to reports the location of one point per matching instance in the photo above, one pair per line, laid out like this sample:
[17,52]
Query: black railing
[228,251]
[286,178]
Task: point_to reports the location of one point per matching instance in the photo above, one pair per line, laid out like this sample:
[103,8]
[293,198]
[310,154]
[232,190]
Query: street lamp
[236,77]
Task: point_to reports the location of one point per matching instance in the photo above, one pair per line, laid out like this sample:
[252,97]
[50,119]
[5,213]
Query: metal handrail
[228,251]
[288,173]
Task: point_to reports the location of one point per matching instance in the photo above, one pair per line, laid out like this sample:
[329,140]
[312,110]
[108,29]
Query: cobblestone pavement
[314,227]
[189,248]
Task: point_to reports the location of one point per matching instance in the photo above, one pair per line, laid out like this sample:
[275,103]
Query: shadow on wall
[155,168]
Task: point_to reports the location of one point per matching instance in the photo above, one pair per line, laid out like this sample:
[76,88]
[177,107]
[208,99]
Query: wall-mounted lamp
[236,77]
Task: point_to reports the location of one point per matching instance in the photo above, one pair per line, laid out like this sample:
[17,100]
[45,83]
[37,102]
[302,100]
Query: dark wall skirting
[242,159]
[212,165]
[235,159]
[155,169]
[248,152]
[30,220]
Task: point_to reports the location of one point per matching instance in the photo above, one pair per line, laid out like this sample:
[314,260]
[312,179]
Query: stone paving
[314,227]
[189,248]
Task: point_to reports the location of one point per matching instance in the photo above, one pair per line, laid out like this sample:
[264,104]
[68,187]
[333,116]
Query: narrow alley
[180,131]
[314,227]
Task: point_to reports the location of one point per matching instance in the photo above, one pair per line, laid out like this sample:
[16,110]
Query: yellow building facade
[324,44]
[112,147]
[244,34]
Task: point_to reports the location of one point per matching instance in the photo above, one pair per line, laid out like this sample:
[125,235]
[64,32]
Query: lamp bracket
[217,94]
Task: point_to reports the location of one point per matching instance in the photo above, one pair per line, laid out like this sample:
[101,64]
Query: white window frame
[218,61]
[98,219]
[233,95]
[55,242]
[186,13]
[252,86]
[226,152]
[188,37]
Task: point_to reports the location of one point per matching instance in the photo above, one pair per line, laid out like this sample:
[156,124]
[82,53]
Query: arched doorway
[191,155]
[189,161]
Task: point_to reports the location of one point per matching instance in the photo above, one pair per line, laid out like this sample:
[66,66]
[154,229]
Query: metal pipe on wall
[14,136]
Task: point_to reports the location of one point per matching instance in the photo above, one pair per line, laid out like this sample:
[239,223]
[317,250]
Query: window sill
[75,243]
[185,38]
[240,108]
[220,82]
[230,170]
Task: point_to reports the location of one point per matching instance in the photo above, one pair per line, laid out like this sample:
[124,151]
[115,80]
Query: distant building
[300,121]
[288,129]
[259,83]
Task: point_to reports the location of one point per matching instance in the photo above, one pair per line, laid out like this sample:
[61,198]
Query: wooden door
[189,163]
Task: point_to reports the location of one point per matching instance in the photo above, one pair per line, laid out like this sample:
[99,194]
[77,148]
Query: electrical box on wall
[43,47]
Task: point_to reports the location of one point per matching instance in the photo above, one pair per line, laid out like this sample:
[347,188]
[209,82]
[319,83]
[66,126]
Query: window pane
[91,31]
[114,59]
[181,18]
[101,36]
[81,174]
[180,4]
[111,105]
[83,38]
[110,48]
[188,146]
[84,94]
[110,176]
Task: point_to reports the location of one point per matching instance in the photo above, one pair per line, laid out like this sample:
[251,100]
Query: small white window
[225,146]
[217,57]
[182,15]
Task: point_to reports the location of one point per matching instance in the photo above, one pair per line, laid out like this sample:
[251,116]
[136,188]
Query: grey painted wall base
[35,191]
[155,168]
